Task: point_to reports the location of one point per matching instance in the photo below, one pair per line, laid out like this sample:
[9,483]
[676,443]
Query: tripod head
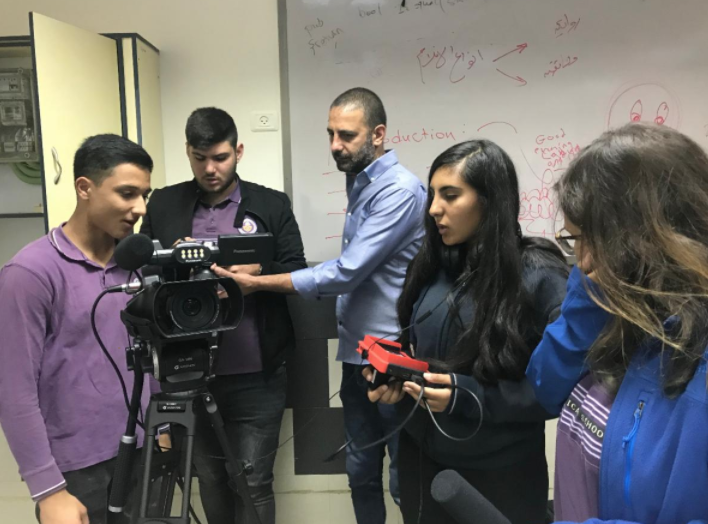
[180,366]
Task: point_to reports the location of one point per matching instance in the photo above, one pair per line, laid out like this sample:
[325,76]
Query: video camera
[178,310]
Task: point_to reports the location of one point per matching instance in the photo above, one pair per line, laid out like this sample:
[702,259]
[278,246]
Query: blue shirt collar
[382,164]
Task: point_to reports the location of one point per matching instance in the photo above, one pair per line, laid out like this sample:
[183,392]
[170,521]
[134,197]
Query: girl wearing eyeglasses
[625,363]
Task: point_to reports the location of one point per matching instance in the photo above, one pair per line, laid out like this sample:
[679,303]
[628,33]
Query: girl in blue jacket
[625,363]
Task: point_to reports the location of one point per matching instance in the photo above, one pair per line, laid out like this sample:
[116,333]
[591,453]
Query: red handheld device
[389,360]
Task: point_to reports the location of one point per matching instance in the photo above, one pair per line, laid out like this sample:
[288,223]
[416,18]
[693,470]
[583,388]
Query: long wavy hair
[496,344]
[639,195]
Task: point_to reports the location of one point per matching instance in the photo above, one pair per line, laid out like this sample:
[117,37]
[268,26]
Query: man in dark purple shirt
[250,382]
[61,405]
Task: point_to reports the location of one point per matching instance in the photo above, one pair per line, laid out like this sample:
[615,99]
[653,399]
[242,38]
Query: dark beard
[357,162]
[227,183]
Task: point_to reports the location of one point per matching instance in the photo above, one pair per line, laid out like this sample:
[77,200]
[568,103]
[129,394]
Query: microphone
[462,501]
[133,252]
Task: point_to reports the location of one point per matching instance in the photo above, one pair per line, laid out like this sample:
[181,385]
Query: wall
[17,197]
[212,53]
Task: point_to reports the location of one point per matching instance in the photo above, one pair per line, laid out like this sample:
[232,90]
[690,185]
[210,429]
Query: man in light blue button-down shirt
[382,234]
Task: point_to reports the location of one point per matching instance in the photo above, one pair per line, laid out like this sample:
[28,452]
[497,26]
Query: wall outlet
[264,121]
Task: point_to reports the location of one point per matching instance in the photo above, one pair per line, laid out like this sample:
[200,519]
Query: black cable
[307,424]
[420,448]
[107,354]
[410,416]
[141,416]
[382,439]
[420,320]
[353,376]
[481,416]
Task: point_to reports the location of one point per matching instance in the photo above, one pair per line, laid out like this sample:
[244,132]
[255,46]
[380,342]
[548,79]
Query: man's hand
[246,269]
[62,508]
[390,393]
[280,283]
[438,398]
[164,441]
[180,240]
[245,281]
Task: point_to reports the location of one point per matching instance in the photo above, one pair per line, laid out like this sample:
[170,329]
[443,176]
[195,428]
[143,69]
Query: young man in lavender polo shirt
[61,405]
[382,233]
[250,383]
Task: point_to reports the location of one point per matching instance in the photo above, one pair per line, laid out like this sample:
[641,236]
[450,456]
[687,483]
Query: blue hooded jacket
[654,462]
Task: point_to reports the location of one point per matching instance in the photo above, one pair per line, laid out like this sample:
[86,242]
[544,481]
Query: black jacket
[512,428]
[169,217]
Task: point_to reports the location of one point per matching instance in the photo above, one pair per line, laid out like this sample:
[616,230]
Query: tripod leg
[235,470]
[126,452]
[167,489]
[164,410]
[147,458]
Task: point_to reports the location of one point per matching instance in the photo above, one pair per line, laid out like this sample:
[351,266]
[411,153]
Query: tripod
[177,407]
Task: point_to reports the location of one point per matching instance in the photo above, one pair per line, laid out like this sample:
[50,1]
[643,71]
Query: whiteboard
[540,78]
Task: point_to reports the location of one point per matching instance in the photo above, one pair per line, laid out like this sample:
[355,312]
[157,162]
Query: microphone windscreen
[462,501]
[133,252]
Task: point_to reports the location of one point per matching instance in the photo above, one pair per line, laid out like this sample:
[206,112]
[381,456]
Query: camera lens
[191,307]
[194,306]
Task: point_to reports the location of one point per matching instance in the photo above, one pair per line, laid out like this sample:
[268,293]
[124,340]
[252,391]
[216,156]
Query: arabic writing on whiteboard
[562,63]
[458,63]
[565,25]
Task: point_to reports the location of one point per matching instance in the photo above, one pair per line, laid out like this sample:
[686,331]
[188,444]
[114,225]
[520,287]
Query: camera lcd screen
[246,249]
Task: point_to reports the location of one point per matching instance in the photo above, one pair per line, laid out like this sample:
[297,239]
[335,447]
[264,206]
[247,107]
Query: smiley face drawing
[649,102]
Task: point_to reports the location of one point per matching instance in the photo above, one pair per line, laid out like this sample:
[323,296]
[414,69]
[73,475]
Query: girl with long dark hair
[479,295]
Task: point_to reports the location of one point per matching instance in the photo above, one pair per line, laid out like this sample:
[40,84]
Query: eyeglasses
[566,241]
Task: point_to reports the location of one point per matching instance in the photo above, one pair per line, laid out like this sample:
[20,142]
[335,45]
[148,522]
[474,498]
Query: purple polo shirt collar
[61,243]
[234,196]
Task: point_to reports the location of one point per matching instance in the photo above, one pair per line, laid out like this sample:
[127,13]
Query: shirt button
[349,214]
[340,323]
[346,241]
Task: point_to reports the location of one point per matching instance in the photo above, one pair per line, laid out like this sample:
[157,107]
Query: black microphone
[462,501]
[133,252]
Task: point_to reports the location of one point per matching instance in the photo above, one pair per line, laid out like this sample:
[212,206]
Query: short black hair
[100,154]
[208,126]
[366,100]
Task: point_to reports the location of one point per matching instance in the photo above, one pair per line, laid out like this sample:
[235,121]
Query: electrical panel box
[18,129]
